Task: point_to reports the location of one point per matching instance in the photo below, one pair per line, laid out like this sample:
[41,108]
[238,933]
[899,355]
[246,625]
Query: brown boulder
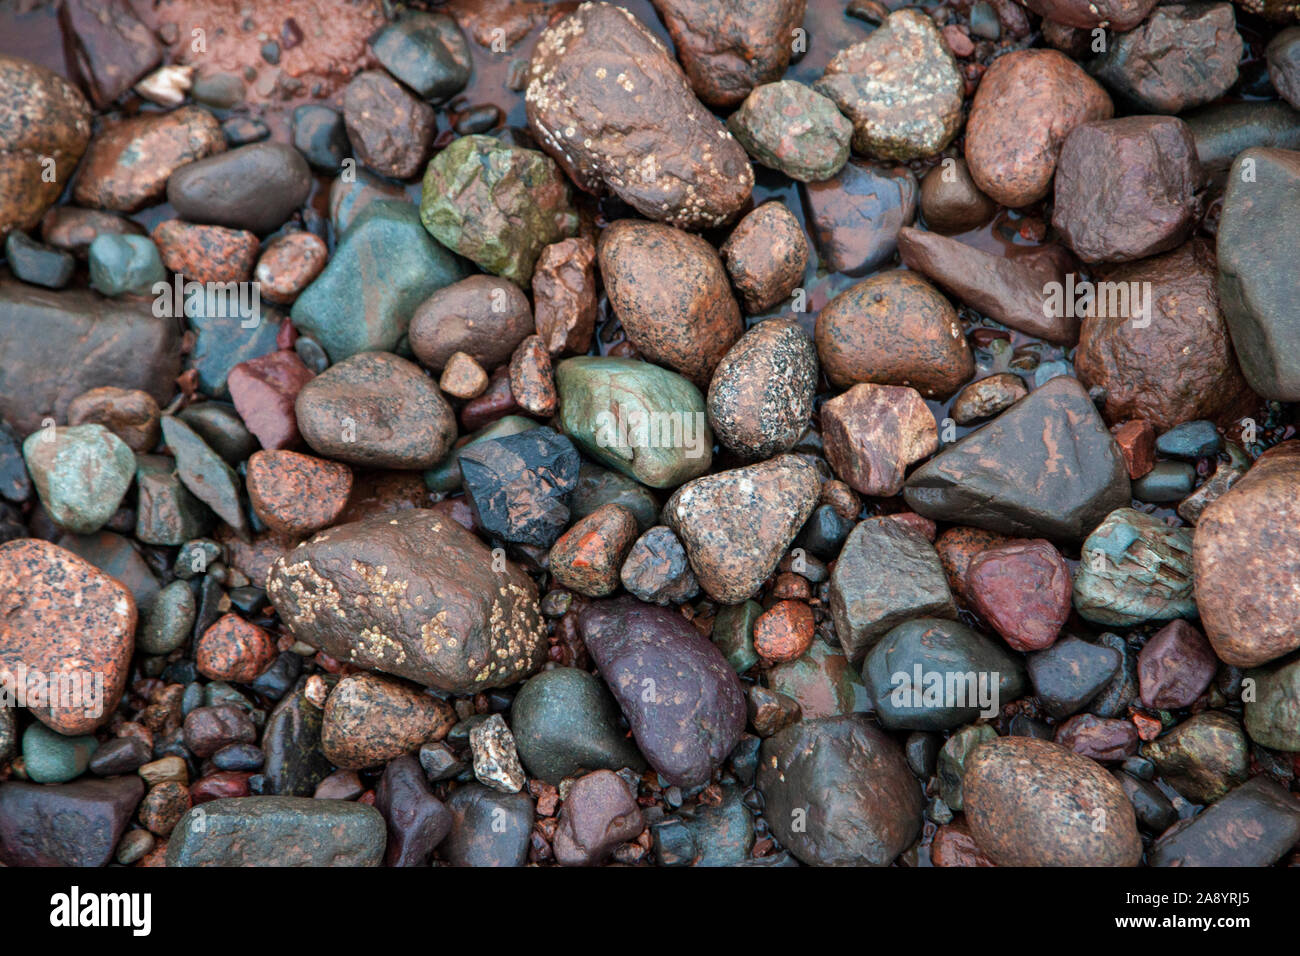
[874,432]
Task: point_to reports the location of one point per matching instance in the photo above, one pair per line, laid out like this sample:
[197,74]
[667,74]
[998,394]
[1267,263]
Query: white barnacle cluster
[310,592]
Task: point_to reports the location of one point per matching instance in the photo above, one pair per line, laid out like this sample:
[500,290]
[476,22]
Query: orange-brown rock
[206,253]
[297,494]
[873,433]
[564,295]
[588,557]
[784,631]
[234,649]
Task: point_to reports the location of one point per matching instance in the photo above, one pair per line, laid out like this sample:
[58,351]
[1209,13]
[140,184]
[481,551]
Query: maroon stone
[263,390]
[1023,590]
[1175,666]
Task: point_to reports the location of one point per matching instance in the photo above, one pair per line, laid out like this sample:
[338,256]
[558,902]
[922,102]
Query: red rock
[784,632]
[1148,728]
[874,432]
[113,49]
[588,557]
[916,522]
[61,616]
[599,813]
[1119,15]
[218,786]
[953,845]
[289,264]
[264,390]
[73,230]
[564,295]
[531,380]
[497,402]
[297,494]
[957,547]
[233,649]
[1175,666]
[1100,738]
[958,42]
[1137,443]
[1022,589]
[390,130]
[206,253]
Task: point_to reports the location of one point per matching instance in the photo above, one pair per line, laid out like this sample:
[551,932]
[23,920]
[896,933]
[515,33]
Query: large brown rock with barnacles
[413,594]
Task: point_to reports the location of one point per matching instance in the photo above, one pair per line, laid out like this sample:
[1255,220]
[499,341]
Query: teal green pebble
[51,757]
[81,473]
[121,264]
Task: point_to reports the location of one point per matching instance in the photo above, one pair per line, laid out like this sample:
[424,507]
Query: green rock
[566,723]
[1273,716]
[169,621]
[278,831]
[1135,568]
[226,334]
[935,674]
[120,264]
[705,835]
[733,632]
[496,204]
[427,52]
[598,486]
[166,512]
[384,266]
[789,127]
[1167,481]
[822,681]
[445,476]
[81,473]
[205,474]
[195,557]
[952,760]
[640,419]
[1203,757]
[51,757]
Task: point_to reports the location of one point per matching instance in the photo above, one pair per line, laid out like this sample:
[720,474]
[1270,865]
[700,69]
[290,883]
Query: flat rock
[1254,825]
[71,824]
[278,831]
[855,215]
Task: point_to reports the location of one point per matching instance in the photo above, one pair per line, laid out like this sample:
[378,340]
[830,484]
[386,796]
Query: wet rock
[1283,55]
[1025,106]
[86,341]
[204,473]
[427,52]
[682,700]
[458,625]
[376,410]
[496,204]
[822,682]
[278,831]
[1203,757]
[1246,543]
[736,524]
[170,620]
[616,410]
[953,845]
[1105,740]
[1183,56]
[369,720]
[320,135]
[1135,568]
[1175,667]
[118,756]
[166,512]
[383,268]
[838,793]
[462,377]
[874,432]
[1150,203]
[531,380]
[113,48]
[293,763]
[1137,443]
[488,828]
[950,200]
[122,264]
[206,253]
[588,557]
[1023,590]
[208,729]
[766,255]
[728,48]
[564,295]
[417,820]
[81,473]
[38,264]
[606,99]
[1004,478]
[1171,360]
[390,130]
[289,264]
[770,712]
[988,397]
[1254,825]
[519,485]
[254,187]
[894,329]
[1031,802]
[1119,15]
[656,569]
[485,317]
[598,814]
[933,674]
[49,757]
[597,487]
[784,632]
[445,476]
[229,328]
[761,395]
[565,722]
[670,292]
[297,494]
[496,761]
[63,617]
[707,835]
[73,824]
[264,390]
[1009,290]
[855,215]
[232,649]
[128,164]
[44,117]
[900,87]
[791,128]
[1256,288]
[951,763]
[73,230]
[131,414]
[1070,673]
[1153,809]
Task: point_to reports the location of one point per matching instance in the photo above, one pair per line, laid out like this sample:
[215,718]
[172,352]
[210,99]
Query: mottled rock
[532,382]
[496,761]
[838,793]
[1119,15]
[766,255]
[1176,666]
[761,395]
[988,397]
[681,698]
[791,128]
[874,432]
[598,814]
[1135,568]
[297,494]
[564,295]
[81,473]
[1025,106]
[415,595]
[130,414]
[390,130]
[369,720]
[72,824]
[289,264]
[656,569]
[606,99]
[278,831]
[206,253]
[519,485]
[588,557]
[855,216]
[233,649]
[462,377]
[1203,757]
